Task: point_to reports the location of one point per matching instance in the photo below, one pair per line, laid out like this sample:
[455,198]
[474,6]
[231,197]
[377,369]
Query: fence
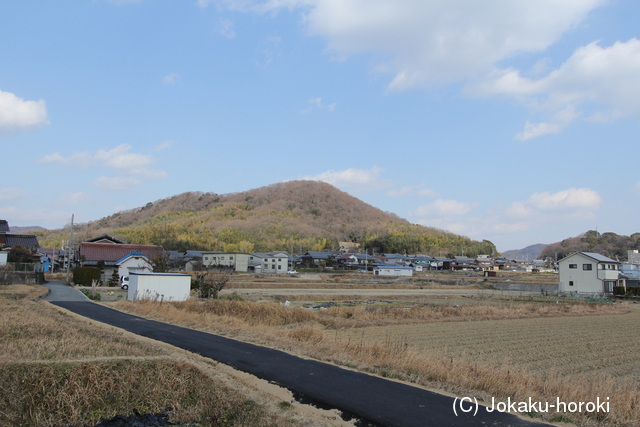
[17,273]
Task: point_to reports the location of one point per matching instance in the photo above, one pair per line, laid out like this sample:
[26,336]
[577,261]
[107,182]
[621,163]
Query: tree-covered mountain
[608,244]
[296,216]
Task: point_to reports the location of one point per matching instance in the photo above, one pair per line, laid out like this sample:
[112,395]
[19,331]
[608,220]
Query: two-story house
[587,273]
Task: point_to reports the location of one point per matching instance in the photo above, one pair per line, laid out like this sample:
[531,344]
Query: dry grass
[60,369]
[479,364]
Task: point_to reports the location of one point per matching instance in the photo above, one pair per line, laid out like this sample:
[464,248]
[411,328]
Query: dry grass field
[58,369]
[481,346]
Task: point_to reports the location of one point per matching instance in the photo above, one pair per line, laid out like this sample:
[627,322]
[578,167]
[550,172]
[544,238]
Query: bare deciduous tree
[211,281]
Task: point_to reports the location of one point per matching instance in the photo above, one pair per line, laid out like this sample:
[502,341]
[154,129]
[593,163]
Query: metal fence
[21,267]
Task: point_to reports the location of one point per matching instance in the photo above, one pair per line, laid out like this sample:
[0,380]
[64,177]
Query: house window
[230,258]
[279,267]
[570,283]
[273,267]
[587,267]
[573,265]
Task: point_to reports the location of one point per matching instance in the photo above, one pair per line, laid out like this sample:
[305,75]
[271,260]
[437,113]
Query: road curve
[374,400]
[60,291]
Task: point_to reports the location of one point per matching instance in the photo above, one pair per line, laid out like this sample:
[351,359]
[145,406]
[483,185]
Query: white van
[124,282]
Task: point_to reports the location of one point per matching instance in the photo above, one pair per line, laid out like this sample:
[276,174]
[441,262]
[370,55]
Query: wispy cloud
[171,79]
[359,179]
[316,104]
[13,193]
[225,28]
[131,168]
[412,191]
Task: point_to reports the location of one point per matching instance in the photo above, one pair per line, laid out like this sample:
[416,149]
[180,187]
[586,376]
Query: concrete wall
[160,286]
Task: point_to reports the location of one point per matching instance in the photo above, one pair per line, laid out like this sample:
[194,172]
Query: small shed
[159,286]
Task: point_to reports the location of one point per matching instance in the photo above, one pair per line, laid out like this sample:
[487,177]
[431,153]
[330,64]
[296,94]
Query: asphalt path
[60,291]
[373,400]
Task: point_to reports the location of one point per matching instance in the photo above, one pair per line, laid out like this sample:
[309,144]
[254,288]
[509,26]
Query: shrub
[85,275]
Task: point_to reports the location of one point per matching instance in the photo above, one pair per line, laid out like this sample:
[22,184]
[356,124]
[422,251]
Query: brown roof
[110,252]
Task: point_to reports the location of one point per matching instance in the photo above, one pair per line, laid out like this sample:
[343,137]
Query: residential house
[396,259]
[316,259]
[9,240]
[89,254]
[134,262]
[348,261]
[105,238]
[587,273]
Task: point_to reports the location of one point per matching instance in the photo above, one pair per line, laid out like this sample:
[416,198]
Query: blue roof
[130,254]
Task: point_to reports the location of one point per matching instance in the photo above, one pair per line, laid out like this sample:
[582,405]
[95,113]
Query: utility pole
[69,251]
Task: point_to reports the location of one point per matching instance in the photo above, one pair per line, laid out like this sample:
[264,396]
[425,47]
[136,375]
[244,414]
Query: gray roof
[599,258]
[24,240]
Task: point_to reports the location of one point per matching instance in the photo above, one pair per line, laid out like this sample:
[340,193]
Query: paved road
[60,291]
[372,399]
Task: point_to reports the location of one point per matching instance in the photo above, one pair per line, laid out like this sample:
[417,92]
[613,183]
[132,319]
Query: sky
[514,122]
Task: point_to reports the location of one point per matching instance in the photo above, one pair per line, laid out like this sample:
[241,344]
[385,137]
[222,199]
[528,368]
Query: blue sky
[516,122]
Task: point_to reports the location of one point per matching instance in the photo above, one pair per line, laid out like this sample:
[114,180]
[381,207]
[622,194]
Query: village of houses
[579,274]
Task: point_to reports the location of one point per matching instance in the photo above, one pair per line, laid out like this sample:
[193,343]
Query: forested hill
[294,216]
[608,244]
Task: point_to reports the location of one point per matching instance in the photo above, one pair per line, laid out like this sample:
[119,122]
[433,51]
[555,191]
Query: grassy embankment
[59,369]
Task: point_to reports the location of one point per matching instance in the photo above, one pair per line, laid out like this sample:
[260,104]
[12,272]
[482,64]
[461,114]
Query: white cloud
[598,83]
[116,182]
[225,28]
[131,168]
[352,178]
[442,208]
[316,103]
[412,190]
[73,199]
[437,41]
[165,144]
[573,198]
[18,114]
[120,158]
[11,193]
[171,79]
[84,159]
[429,43]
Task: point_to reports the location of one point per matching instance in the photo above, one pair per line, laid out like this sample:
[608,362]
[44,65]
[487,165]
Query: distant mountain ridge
[530,253]
[296,216]
[27,229]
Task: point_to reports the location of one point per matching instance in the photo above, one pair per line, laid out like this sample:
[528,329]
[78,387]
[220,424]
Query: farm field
[568,346]
[465,340]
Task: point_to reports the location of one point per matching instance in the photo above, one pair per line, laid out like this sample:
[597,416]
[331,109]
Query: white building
[265,262]
[159,286]
[393,270]
[135,262]
[587,273]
